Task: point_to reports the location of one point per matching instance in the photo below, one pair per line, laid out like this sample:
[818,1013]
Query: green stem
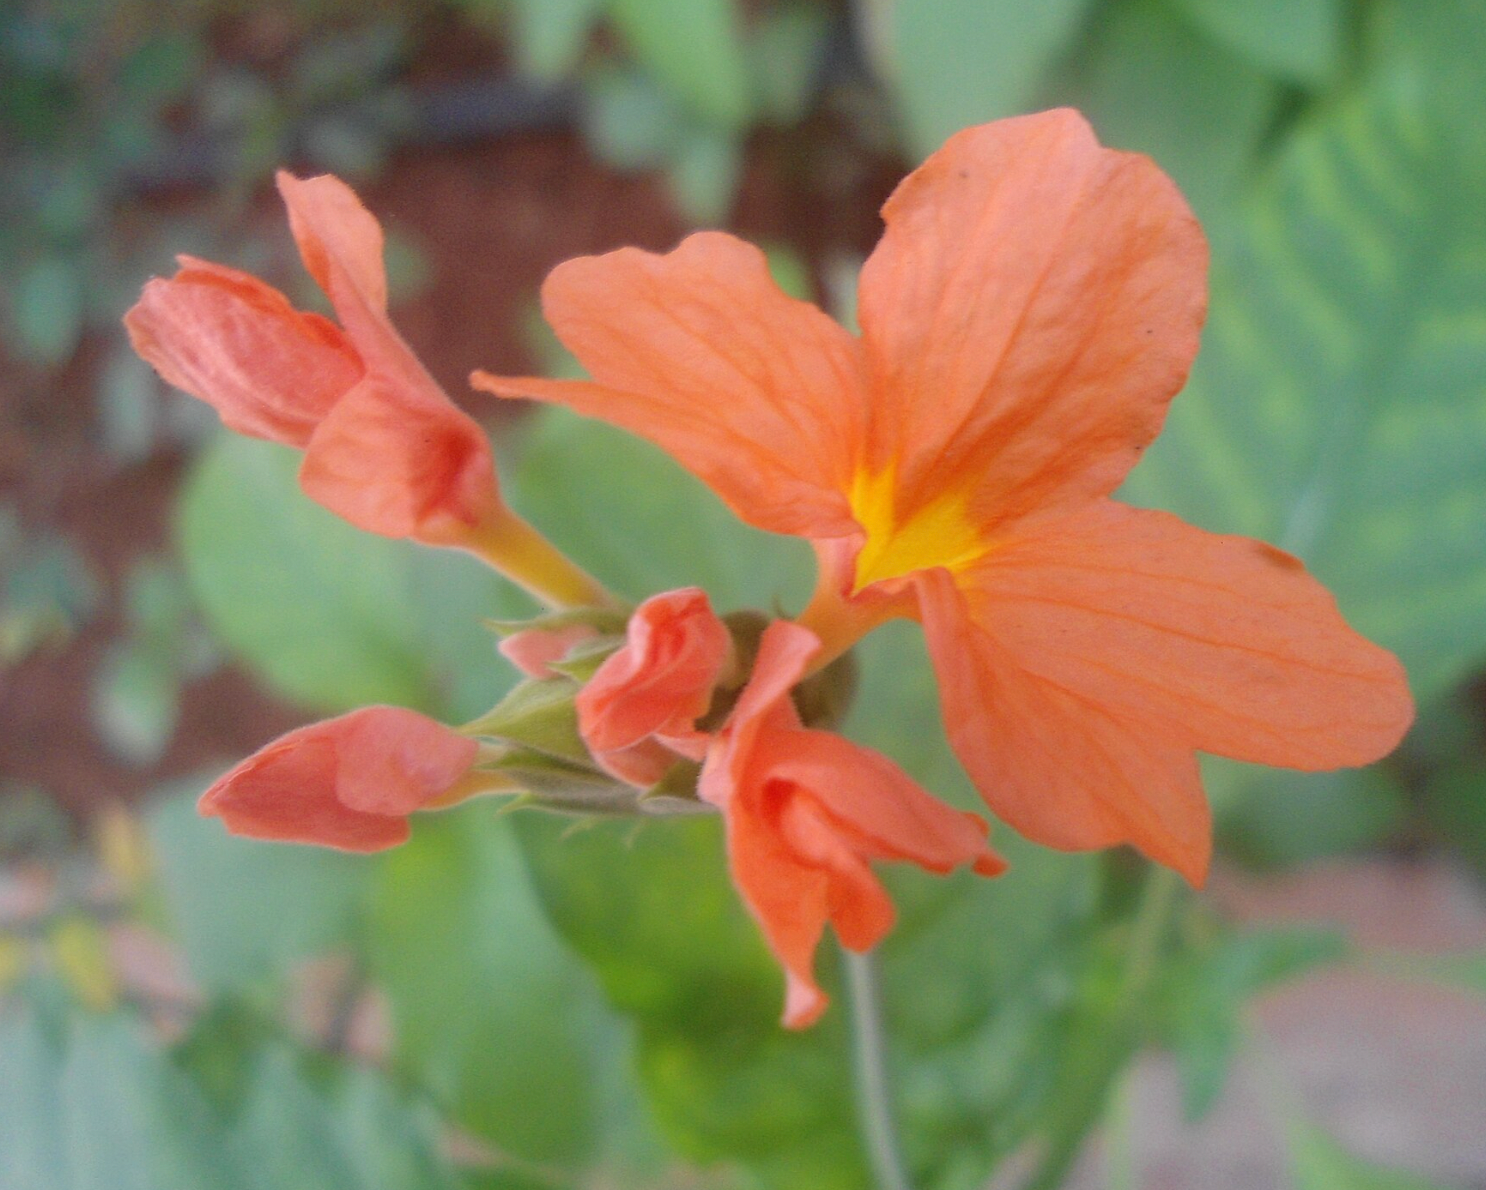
[874,1094]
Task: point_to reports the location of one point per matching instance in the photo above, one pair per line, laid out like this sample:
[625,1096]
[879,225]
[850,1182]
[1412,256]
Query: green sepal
[538,714]
[556,784]
[824,698]
[605,621]
[676,792]
[584,658]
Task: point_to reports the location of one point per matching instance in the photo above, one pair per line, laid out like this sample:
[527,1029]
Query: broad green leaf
[704,175]
[350,1131]
[132,1122]
[489,1010]
[549,35]
[1465,970]
[1338,407]
[1150,84]
[650,906]
[1455,801]
[694,48]
[33,1150]
[134,702]
[1201,1001]
[1297,40]
[1318,1163]
[47,309]
[953,63]
[632,517]
[1277,817]
[631,123]
[94,1105]
[329,615]
[128,404]
[245,910]
[785,50]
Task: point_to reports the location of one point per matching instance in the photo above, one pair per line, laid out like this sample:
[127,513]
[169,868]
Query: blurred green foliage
[593,1007]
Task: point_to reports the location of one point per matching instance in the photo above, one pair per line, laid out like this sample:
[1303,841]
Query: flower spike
[1031,310]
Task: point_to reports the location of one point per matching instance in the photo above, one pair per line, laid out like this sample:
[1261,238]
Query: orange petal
[339,240]
[807,811]
[660,681]
[401,460]
[1083,663]
[1030,311]
[225,337]
[394,761]
[348,782]
[533,650]
[889,815]
[700,352]
[789,902]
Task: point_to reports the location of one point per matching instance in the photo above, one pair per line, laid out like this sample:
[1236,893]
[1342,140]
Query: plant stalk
[874,1092]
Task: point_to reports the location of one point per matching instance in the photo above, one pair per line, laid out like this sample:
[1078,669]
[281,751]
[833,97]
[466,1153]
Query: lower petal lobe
[1084,661]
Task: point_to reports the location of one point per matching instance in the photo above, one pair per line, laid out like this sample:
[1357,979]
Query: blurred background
[512,1003]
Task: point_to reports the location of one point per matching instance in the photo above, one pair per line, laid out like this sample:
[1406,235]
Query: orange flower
[639,710]
[1033,306]
[348,782]
[807,811]
[384,447]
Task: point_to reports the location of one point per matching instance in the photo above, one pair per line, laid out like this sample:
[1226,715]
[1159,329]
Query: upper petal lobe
[699,351]
[225,337]
[1031,310]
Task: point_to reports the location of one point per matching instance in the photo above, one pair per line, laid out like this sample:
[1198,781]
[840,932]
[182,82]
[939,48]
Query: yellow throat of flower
[939,533]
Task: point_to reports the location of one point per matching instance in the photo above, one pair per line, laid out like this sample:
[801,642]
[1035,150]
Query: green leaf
[704,175]
[659,528]
[47,309]
[348,1132]
[1318,1163]
[1201,1002]
[96,1106]
[1276,817]
[490,1011]
[1455,801]
[550,35]
[1337,408]
[953,63]
[1150,84]
[128,401]
[785,57]
[1297,40]
[134,702]
[629,122]
[651,908]
[329,615]
[245,910]
[694,48]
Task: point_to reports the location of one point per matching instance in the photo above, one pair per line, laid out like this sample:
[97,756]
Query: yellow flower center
[939,533]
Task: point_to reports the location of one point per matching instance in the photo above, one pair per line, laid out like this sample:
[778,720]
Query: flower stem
[840,622]
[874,1095]
[516,550]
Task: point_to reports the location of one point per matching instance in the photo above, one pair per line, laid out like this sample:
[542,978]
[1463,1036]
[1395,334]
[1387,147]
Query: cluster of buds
[1032,309]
